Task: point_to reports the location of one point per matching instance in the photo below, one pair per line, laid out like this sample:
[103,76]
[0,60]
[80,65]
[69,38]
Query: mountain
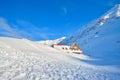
[100,38]
[50,42]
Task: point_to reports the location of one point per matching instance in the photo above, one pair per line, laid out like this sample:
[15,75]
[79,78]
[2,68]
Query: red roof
[58,44]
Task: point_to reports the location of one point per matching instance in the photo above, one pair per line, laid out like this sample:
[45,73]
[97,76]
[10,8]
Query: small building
[74,48]
[61,47]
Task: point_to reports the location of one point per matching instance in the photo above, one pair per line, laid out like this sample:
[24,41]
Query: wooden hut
[75,48]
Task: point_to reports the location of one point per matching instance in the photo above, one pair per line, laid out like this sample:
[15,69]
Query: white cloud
[46,36]
[65,11]
[5,29]
[32,29]
[4,25]
[23,29]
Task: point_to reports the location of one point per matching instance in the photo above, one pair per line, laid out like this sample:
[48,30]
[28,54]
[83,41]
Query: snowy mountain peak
[118,10]
[115,11]
[51,42]
[112,13]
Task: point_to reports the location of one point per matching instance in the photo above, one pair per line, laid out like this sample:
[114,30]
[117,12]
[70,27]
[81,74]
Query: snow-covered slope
[50,42]
[100,38]
[21,59]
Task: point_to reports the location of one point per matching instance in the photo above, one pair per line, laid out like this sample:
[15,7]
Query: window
[66,48]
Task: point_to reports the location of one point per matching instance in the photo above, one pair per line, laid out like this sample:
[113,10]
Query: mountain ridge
[101,37]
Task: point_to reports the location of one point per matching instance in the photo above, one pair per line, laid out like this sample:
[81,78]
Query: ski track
[18,64]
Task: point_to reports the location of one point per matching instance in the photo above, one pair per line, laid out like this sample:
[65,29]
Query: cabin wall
[67,49]
[62,47]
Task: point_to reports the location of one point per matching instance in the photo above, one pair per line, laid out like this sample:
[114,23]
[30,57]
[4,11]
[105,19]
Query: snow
[114,12]
[100,39]
[51,42]
[22,59]
[118,11]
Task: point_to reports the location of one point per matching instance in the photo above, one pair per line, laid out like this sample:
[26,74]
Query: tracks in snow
[45,65]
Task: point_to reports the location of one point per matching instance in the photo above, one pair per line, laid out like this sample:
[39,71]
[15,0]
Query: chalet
[74,48]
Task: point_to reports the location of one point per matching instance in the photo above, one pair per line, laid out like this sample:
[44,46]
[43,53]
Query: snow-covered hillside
[100,38]
[21,59]
[51,42]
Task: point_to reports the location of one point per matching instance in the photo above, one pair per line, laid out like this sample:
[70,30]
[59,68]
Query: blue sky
[48,19]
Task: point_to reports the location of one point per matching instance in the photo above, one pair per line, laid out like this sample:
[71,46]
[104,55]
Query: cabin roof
[59,45]
[75,46]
